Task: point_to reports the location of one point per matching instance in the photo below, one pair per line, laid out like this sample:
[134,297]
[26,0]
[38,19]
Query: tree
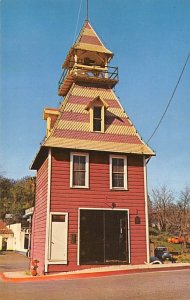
[183,206]
[162,199]
[5,195]
[168,214]
[16,196]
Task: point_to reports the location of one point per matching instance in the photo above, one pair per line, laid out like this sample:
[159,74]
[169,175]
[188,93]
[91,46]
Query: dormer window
[97,109]
[97,118]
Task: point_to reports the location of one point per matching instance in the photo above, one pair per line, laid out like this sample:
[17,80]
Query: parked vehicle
[163,254]
[155,260]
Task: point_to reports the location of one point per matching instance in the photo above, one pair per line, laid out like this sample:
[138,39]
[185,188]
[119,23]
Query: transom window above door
[79,170]
[118,172]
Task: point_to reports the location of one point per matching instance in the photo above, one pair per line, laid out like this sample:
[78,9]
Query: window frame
[102,119]
[99,119]
[86,155]
[124,157]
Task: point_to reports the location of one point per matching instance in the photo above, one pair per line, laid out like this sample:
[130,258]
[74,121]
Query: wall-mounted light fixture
[113,204]
[137,220]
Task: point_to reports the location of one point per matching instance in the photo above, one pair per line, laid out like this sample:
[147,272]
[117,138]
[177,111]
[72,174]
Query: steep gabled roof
[98,98]
[72,128]
[88,40]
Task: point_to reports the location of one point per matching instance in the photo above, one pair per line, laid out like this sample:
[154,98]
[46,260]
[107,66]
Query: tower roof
[72,128]
[88,40]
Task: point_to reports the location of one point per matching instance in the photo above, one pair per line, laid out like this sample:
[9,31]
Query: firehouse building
[91,193]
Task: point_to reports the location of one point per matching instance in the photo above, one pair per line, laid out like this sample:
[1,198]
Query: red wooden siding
[99,195]
[39,218]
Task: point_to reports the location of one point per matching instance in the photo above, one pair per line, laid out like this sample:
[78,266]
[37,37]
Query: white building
[6,237]
[21,238]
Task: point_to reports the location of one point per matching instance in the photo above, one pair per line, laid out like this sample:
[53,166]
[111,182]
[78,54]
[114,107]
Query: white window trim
[86,186]
[124,157]
[51,261]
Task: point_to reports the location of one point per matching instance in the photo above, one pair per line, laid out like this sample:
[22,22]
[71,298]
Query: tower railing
[89,71]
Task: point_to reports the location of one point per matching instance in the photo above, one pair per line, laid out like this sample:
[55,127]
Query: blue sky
[150,39]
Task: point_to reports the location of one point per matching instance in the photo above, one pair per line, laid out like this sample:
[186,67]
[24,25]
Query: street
[162,285]
[156,285]
[10,262]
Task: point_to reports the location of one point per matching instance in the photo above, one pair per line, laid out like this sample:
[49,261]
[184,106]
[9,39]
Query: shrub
[183,258]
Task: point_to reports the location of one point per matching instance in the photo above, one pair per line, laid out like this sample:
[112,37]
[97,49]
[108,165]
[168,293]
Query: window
[58,218]
[26,241]
[97,118]
[97,108]
[79,170]
[118,172]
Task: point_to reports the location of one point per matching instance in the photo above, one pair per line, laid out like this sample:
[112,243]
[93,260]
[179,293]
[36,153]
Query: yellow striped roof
[91,42]
[88,40]
[72,128]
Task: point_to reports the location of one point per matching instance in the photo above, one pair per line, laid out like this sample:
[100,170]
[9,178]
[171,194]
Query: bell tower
[88,62]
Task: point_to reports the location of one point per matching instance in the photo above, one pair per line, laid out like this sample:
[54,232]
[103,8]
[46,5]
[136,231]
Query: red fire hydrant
[34,267]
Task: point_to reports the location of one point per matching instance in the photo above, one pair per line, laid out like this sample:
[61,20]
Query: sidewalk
[23,276]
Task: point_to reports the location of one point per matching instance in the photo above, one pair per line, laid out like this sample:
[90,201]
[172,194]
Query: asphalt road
[166,285]
[162,285]
[10,262]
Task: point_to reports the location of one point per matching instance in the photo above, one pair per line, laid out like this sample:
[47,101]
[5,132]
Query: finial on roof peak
[87,10]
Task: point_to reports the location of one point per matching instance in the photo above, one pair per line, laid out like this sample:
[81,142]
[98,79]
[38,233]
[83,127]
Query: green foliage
[154,231]
[16,196]
[161,240]
[184,258]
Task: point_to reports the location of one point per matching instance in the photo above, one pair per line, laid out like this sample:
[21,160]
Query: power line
[77,21]
[171,98]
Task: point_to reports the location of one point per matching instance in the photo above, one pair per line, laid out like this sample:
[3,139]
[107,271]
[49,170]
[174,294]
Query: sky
[150,40]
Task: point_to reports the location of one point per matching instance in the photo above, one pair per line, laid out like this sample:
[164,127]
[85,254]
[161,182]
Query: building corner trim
[48,211]
[146,210]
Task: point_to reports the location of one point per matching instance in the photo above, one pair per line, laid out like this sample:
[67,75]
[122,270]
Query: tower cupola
[88,60]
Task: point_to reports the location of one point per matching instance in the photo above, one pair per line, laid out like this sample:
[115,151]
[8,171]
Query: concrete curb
[4,278]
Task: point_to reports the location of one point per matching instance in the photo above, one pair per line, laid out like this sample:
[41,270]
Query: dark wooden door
[103,236]
[4,244]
